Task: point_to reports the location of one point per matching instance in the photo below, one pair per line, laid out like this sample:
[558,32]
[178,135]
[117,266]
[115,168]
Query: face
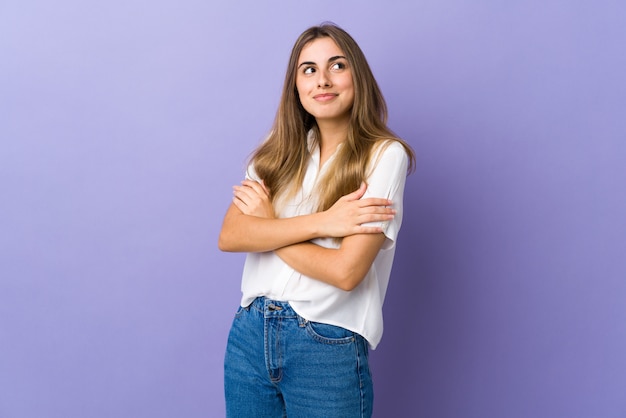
[324,81]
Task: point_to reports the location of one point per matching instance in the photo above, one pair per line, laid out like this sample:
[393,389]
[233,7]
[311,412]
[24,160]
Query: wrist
[316,224]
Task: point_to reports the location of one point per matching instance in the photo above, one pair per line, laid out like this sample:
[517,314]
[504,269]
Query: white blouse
[359,310]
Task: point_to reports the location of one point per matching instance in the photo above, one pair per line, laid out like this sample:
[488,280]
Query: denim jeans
[280,365]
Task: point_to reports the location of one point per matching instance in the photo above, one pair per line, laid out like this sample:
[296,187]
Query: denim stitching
[325,340]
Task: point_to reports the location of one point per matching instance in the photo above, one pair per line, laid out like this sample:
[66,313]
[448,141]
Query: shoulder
[389,151]
[251,173]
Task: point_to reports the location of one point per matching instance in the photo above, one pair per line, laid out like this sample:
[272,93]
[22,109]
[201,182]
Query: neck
[332,133]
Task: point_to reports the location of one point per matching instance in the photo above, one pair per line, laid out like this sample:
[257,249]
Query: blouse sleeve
[387,180]
[251,173]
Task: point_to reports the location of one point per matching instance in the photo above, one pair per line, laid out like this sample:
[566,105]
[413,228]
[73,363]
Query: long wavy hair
[281,160]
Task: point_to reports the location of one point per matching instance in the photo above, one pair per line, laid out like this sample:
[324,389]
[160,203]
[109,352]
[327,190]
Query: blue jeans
[280,365]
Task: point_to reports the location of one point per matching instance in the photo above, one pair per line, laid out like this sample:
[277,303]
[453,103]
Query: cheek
[347,83]
[348,86]
[301,85]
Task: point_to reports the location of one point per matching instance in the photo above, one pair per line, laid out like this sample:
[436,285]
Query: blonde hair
[282,159]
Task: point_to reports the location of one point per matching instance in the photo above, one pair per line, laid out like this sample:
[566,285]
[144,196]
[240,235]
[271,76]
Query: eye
[308,70]
[338,66]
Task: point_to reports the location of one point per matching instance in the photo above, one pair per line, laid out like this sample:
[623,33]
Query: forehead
[320,50]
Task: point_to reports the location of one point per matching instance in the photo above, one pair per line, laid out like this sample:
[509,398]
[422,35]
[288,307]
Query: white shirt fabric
[359,310]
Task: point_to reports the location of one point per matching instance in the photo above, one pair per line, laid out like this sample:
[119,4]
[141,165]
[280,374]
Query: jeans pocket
[329,334]
[240,311]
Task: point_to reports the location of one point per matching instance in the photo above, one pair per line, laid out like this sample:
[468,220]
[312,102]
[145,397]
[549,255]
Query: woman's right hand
[253,198]
[348,214]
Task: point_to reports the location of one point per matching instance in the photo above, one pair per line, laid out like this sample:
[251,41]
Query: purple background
[125,123]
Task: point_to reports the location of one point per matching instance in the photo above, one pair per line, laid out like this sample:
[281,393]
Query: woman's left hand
[252,198]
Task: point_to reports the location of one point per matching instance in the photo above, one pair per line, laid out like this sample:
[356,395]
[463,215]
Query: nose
[323,79]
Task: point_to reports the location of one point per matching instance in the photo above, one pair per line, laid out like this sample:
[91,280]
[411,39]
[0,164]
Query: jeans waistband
[273,308]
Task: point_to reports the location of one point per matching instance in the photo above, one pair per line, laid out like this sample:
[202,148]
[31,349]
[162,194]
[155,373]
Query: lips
[324,97]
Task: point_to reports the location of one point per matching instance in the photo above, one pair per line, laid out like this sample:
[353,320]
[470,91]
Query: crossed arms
[251,226]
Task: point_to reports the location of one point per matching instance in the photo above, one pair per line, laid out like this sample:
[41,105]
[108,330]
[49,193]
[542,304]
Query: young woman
[318,215]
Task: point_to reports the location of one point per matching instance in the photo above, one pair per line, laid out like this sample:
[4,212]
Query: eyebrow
[331,59]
